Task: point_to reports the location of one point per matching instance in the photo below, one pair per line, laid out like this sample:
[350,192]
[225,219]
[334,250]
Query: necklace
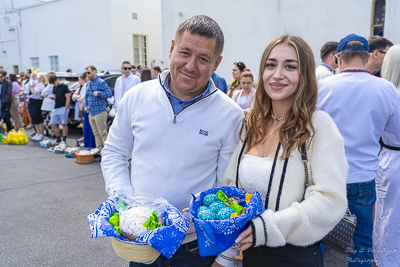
[277,119]
[276,129]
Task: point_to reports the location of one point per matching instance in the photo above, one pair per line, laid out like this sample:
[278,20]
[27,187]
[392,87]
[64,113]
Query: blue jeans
[361,198]
[186,256]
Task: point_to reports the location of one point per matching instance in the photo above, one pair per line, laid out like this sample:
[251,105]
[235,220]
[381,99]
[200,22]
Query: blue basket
[216,236]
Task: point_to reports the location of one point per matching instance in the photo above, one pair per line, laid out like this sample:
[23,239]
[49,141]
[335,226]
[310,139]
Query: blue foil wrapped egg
[224,213]
[209,199]
[206,214]
[199,209]
[217,206]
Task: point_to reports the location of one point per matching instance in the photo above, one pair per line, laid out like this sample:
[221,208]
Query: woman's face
[81,82]
[281,74]
[41,79]
[236,72]
[247,83]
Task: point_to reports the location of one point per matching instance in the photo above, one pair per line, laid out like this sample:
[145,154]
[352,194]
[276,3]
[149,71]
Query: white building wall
[80,33]
[148,23]
[392,21]
[249,26]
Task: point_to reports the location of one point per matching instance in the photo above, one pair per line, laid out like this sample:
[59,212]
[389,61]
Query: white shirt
[122,85]
[322,72]
[363,107]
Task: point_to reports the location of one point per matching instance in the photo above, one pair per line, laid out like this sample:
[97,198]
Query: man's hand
[96,93]
[86,109]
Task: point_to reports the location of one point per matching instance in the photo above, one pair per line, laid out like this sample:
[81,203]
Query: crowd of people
[181,131]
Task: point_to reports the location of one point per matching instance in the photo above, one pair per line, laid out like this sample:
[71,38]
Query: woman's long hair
[296,128]
[390,66]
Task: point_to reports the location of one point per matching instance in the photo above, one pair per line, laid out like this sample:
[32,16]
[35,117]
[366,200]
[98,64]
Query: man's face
[91,74]
[133,71]
[126,69]
[193,61]
[28,74]
[2,77]
[154,73]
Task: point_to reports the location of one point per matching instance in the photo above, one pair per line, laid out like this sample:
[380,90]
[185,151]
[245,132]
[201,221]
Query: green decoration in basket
[224,198]
[114,221]
[153,222]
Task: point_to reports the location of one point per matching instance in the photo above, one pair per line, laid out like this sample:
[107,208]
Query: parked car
[71,80]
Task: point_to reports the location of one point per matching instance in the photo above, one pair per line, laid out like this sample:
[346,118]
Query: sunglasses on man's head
[129,68]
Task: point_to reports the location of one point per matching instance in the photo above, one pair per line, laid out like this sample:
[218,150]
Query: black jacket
[6,92]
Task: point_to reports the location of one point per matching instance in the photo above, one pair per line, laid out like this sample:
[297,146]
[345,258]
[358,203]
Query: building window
[139,50]
[35,62]
[378,17]
[134,16]
[16,69]
[54,63]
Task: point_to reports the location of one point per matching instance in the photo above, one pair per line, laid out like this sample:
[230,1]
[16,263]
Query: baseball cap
[352,37]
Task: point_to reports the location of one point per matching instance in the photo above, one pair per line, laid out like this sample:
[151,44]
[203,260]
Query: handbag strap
[240,157]
[307,180]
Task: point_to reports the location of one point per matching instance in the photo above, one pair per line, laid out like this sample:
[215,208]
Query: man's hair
[29,70]
[327,49]
[203,26]
[157,68]
[378,43]
[69,70]
[3,72]
[348,54]
[247,74]
[133,67]
[126,62]
[53,78]
[391,66]
[13,77]
[91,67]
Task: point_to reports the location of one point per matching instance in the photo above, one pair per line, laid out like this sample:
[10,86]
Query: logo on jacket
[203,132]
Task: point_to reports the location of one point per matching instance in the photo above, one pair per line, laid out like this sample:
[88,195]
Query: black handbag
[340,238]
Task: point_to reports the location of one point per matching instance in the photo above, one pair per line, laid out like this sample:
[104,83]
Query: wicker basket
[84,159]
[136,253]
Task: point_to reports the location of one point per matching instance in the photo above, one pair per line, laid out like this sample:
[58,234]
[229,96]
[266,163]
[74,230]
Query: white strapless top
[254,173]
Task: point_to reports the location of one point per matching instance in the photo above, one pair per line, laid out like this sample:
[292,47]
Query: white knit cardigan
[288,218]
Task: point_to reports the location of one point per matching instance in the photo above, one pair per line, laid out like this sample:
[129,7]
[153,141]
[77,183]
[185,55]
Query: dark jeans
[361,198]
[286,256]
[186,256]
[5,114]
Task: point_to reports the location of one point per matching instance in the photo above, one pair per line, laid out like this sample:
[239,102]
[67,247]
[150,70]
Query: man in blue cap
[363,107]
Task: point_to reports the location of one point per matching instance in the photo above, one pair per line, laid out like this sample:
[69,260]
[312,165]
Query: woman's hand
[244,240]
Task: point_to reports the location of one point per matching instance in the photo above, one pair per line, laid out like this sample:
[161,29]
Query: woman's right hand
[244,240]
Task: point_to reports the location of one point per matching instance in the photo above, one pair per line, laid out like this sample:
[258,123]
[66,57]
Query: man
[378,46]
[5,98]
[139,70]
[362,106]
[97,92]
[59,115]
[124,83]
[178,131]
[219,82]
[155,71]
[133,69]
[328,65]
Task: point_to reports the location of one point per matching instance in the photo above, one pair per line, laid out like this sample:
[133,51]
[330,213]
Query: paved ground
[45,199]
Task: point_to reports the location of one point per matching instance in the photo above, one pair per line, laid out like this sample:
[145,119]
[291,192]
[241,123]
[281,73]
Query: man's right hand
[86,109]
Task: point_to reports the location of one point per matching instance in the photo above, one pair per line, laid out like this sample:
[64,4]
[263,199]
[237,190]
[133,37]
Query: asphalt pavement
[45,198]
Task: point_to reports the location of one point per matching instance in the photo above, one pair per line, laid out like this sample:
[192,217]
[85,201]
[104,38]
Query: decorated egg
[217,206]
[206,214]
[225,213]
[209,199]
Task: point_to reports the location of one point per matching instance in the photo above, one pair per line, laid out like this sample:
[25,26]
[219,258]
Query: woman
[26,118]
[237,70]
[245,96]
[79,98]
[145,75]
[14,111]
[35,104]
[47,106]
[387,207]
[283,122]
